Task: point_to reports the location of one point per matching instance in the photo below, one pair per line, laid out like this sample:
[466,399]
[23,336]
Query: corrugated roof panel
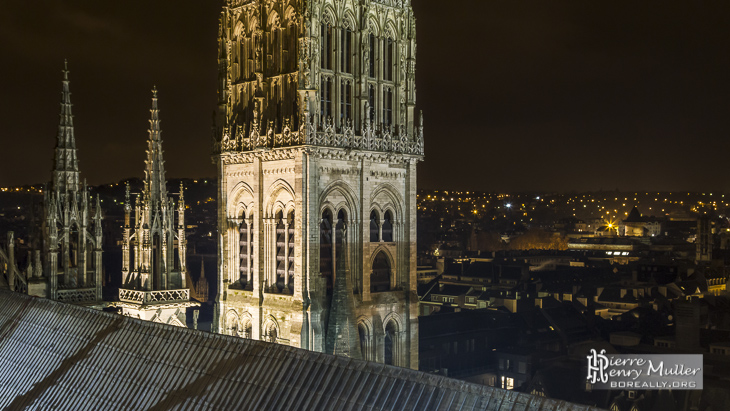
[54,355]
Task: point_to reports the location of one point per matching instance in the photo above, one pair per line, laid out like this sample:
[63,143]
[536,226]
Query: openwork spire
[66,164]
[154,188]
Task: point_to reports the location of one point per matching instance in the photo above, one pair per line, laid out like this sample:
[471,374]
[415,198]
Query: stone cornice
[330,153]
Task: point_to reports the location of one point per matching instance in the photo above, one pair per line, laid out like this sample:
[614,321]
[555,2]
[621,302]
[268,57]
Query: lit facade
[153,246]
[72,229]
[316,145]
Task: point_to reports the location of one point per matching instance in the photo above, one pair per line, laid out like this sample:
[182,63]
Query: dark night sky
[517,95]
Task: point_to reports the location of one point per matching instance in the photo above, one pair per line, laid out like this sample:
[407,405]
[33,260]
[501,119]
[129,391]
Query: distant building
[636,225]
[704,240]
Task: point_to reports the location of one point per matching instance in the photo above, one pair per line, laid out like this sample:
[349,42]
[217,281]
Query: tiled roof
[65,357]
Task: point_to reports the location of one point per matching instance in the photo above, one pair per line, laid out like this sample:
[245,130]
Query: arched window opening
[340,240]
[371,101]
[244,253]
[275,49]
[290,254]
[346,55]
[390,343]
[326,46]
[380,277]
[341,226]
[362,332]
[325,248]
[388,227]
[374,227]
[281,249]
[232,324]
[326,98]
[293,49]
[156,263]
[388,59]
[371,68]
[345,103]
[387,106]
[73,242]
[271,333]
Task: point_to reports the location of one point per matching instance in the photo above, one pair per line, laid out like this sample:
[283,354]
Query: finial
[65,69]
[182,191]
[154,91]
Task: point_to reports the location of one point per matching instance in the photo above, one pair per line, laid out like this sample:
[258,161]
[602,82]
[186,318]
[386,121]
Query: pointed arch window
[272,334]
[275,50]
[371,102]
[373,57]
[345,102]
[289,279]
[346,55]
[281,250]
[374,227]
[380,276]
[388,59]
[244,255]
[364,336]
[390,343]
[291,49]
[325,248]
[232,325]
[326,98]
[247,329]
[326,46]
[388,106]
[340,231]
[74,246]
[388,227]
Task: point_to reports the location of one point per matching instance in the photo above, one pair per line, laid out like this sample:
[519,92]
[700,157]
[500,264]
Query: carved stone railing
[76,295]
[154,297]
[383,139]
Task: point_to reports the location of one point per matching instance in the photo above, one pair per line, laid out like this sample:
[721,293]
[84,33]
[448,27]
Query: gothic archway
[390,343]
[381,273]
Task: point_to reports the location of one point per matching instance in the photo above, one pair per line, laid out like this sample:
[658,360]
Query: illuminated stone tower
[153,246]
[316,144]
[72,231]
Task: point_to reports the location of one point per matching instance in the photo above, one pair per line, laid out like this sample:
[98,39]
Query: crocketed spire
[155,190]
[66,164]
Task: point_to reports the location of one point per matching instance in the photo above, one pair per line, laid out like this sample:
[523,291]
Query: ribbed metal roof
[64,357]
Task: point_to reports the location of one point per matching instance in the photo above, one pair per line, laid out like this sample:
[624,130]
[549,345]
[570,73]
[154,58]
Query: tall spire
[155,189]
[66,164]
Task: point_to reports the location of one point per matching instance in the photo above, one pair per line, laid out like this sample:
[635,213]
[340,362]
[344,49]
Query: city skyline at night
[516,96]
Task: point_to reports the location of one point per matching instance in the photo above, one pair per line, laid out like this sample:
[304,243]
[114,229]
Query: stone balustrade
[153,297]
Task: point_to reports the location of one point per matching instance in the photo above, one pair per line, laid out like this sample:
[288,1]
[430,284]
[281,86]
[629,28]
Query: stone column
[249,250]
[286,256]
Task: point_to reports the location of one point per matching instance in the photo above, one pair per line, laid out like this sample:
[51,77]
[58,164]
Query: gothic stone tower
[72,233]
[153,250]
[316,145]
